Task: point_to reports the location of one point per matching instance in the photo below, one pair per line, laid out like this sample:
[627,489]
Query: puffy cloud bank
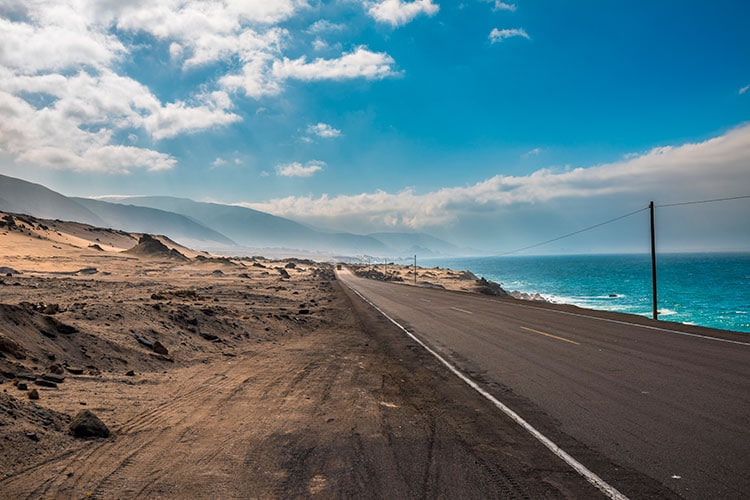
[67,103]
[717,167]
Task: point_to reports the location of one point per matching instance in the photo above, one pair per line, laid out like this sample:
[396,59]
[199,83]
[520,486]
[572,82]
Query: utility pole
[415,269]
[653,262]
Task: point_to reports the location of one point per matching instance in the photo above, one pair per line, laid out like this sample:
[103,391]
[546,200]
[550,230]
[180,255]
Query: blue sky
[527,118]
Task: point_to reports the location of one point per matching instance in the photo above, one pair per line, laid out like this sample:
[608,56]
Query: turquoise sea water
[702,289]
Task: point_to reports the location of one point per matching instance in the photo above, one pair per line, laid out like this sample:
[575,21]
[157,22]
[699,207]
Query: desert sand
[229,378]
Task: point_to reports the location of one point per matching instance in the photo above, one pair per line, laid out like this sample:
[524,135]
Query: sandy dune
[227,378]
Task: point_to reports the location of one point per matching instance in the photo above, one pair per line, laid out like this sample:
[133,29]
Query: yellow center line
[550,335]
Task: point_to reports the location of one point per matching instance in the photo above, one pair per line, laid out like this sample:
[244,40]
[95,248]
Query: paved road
[674,407]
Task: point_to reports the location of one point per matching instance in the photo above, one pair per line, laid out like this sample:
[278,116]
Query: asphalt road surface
[669,401]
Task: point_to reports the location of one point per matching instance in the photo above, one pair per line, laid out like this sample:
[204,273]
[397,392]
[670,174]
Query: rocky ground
[229,378]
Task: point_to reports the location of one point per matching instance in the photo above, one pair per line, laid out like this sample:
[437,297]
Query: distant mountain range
[209,226]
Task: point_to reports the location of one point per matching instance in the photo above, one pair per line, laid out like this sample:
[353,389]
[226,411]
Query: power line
[702,201]
[575,232]
[623,217]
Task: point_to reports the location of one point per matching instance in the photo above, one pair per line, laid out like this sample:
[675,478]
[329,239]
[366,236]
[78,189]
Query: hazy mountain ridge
[252,228]
[154,221]
[417,243]
[209,226]
[25,197]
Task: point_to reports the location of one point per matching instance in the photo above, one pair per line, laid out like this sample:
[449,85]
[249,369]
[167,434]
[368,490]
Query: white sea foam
[667,312]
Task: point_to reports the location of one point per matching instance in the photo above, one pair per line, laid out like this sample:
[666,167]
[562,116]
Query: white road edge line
[461,310]
[591,477]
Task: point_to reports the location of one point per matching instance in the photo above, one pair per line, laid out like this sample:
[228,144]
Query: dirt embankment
[221,378]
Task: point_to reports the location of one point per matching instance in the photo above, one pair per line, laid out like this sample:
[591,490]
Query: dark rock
[33,394]
[74,370]
[209,336]
[31,435]
[467,276]
[10,346]
[144,341]
[130,373]
[88,270]
[304,311]
[290,265]
[22,386]
[58,379]
[96,247]
[159,348]
[46,383]
[486,287]
[283,272]
[87,425]
[218,272]
[56,369]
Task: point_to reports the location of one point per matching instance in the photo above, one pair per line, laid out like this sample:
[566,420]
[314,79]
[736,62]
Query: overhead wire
[589,228]
[702,201]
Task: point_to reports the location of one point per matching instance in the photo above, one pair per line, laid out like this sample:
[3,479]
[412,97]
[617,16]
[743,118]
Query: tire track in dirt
[347,410]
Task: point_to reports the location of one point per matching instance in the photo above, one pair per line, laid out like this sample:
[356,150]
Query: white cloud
[29,48]
[362,63]
[218,162]
[319,45]
[532,152]
[398,13]
[710,169]
[177,118]
[323,26]
[499,5]
[497,35]
[69,106]
[744,89]
[323,130]
[296,169]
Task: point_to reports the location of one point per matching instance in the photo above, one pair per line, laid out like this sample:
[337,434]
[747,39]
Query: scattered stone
[467,276]
[88,270]
[209,336]
[130,373]
[10,346]
[46,383]
[87,425]
[290,265]
[22,386]
[144,342]
[58,379]
[283,272]
[159,348]
[31,435]
[304,311]
[486,287]
[56,369]
[33,394]
[74,370]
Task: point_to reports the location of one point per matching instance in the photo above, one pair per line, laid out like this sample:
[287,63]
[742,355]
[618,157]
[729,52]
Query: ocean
[710,290]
